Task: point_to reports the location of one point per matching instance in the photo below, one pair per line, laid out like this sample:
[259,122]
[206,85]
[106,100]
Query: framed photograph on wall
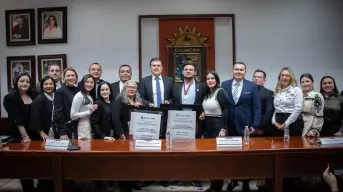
[52,25]
[17,65]
[46,61]
[20,27]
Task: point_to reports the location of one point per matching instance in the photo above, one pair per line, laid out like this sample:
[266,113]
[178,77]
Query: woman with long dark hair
[18,103]
[101,119]
[42,108]
[83,106]
[313,107]
[215,115]
[215,107]
[333,107]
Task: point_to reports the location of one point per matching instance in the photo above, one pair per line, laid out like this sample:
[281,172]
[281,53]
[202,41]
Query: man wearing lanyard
[189,93]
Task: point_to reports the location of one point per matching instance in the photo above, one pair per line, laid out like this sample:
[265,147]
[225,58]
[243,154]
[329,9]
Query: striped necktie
[235,92]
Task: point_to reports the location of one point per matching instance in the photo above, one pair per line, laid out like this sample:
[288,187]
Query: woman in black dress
[17,103]
[62,103]
[42,118]
[42,108]
[101,119]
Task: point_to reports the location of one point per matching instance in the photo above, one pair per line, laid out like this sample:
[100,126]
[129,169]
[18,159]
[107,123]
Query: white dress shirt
[121,85]
[154,89]
[290,101]
[240,87]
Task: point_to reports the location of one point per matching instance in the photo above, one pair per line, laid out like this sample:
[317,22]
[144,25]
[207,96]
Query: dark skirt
[295,129]
[213,125]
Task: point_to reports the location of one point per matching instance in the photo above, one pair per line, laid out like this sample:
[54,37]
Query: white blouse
[82,111]
[290,100]
[211,105]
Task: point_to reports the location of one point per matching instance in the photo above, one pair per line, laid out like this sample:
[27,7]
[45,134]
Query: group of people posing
[96,109]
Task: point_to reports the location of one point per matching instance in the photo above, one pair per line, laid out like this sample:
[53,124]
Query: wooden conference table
[193,159]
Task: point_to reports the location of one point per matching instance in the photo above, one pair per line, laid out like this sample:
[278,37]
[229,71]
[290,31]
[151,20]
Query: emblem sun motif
[187,37]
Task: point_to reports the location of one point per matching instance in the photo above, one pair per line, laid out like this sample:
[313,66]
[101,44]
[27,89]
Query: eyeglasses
[131,87]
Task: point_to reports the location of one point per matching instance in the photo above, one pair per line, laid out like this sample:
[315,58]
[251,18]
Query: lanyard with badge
[185,91]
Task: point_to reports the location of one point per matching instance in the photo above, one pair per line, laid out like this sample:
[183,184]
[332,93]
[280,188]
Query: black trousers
[212,126]
[295,129]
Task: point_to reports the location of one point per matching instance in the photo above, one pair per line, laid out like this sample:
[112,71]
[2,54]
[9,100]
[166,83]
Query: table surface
[198,146]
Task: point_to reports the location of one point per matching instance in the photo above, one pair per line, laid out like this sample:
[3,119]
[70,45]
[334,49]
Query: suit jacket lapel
[196,92]
[165,87]
[230,92]
[150,90]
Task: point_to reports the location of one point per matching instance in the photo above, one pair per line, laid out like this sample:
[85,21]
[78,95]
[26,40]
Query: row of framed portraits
[17,65]
[52,26]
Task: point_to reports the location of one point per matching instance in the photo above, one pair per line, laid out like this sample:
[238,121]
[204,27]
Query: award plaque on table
[183,107]
[145,123]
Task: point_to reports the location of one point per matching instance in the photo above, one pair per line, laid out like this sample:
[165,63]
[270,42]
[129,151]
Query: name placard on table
[148,144]
[331,140]
[56,144]
[229,141]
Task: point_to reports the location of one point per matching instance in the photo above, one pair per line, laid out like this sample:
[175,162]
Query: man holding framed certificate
[190,93]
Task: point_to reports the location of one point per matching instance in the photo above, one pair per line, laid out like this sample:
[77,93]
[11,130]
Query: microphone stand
[71,145]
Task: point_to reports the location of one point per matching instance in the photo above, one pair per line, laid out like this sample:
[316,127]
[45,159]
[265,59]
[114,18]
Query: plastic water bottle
[246,135]
[51,133]
[286,136]
[168,139]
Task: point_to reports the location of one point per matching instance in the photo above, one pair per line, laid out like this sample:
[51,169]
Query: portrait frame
[45,60]
[24,35]
[28,65]
[59,33]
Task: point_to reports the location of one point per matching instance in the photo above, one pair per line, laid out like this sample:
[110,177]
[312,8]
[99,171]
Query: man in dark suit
[244,106]
[267,106]
[192,93]
[125,74]
[156,89]
[21,30]
[20,70]
[267,110]
[95,70]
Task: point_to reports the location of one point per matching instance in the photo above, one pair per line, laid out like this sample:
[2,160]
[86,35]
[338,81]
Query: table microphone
[71,145]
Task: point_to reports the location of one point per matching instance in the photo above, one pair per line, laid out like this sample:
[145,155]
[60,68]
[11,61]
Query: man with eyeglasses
[189,92]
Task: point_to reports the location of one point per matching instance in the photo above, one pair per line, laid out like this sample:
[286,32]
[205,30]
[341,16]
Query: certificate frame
[154,110]
[196,107]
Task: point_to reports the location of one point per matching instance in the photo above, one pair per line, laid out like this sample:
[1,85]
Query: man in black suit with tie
[190,93]
[125,74]
[267,110]
[155,88]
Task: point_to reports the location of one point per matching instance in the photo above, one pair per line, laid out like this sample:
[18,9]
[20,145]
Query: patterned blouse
[312,113]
